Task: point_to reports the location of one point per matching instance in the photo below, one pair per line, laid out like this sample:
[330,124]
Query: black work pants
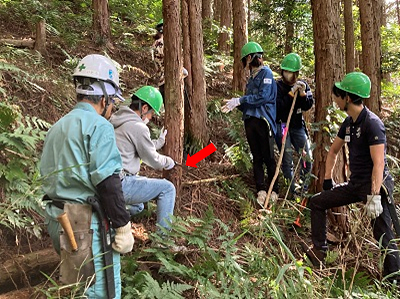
[261,141]
[346,194]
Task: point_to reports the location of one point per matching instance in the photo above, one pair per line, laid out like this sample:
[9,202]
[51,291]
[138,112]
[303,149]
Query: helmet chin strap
[103,88]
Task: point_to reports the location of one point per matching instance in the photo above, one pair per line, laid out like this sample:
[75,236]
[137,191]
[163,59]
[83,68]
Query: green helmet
[357,83]
[250,48]
[160,23]
[291,63]
[151,96]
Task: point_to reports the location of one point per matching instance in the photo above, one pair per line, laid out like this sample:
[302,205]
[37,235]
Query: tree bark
[239,40]
[217,10]
[349,35]
[370,19]
[289,37]
[187,62]
[198,133]
[19,271]
[174,110]
[328,69]
[40,42]
[225,24]
[206,9]
[101,23]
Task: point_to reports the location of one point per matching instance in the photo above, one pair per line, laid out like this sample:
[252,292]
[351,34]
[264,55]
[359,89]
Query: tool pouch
[77,266]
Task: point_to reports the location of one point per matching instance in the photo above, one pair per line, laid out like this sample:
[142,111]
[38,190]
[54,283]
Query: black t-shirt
[284,103]
[359,136]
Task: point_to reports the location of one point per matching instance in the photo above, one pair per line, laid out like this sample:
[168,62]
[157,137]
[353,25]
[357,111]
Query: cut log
[26,269]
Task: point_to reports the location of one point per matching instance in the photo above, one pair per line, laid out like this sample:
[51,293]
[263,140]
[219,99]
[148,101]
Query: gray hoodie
[134,143]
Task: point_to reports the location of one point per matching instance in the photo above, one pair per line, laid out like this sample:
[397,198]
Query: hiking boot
[316,256]
[261,197]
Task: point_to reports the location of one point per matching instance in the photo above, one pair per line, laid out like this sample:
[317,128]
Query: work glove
[299,86]
[170,163]
[374,206]
[123,241]
[328,184]
[230,105]
[163,133]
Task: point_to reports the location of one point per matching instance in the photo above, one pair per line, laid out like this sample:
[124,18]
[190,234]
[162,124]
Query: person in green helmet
[370,181]
[296,135]
[258,106]
[135,145]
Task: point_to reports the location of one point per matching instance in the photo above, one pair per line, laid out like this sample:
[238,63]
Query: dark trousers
[349,193]
[261,142]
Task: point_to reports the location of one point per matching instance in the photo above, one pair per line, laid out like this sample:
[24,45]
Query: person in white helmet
[80,160]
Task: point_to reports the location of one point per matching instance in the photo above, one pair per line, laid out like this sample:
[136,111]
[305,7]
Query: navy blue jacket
[260,98]
[284,103]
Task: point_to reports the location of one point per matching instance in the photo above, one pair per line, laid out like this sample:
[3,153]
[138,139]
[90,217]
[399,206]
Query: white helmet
[100,68]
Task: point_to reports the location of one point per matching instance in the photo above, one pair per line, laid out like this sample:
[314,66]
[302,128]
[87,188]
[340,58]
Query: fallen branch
[21,43]
[206,181]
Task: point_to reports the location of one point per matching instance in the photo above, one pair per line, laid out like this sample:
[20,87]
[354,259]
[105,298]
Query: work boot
[316,256]
[261,197]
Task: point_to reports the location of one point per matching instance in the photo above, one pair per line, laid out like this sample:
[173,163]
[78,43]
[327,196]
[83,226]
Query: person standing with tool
[134,144]
[80,160]
[297,135]
[370,181]
[258,106]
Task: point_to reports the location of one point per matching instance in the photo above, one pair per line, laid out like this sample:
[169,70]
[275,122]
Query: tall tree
[101,22]
[217,10]
[289,36]
[328,69]
[239,40]
[370,19]
[187,62]
[198,132]
[206,13]
[173,89]
[225,24]
[349,35]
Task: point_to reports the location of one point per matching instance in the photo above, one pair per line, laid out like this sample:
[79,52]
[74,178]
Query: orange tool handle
[66,225]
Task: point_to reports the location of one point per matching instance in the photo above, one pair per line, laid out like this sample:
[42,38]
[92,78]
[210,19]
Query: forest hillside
[232,247]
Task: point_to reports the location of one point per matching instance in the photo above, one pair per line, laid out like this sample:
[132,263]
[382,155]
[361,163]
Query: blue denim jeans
[297,138]
[139,189]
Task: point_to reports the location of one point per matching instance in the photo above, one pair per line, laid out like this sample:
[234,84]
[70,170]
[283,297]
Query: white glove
[230,105]
[298,86]
[163,133]
[124,240]
[170,163]
[374,206]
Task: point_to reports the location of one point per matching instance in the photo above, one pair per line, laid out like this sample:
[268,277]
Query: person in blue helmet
[80,160]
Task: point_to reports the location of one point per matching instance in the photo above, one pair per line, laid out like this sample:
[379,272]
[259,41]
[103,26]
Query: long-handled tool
[105,233]
[278,165]
[66,225]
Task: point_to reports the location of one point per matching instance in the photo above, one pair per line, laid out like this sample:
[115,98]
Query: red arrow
[200,155]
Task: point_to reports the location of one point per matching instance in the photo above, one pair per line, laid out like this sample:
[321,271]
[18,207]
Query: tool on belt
[106,241]
[66,225]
